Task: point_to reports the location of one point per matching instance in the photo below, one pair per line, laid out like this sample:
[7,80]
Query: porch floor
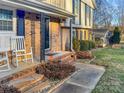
[22,66]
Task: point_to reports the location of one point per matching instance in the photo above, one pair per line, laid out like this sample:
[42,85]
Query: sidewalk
[84,81]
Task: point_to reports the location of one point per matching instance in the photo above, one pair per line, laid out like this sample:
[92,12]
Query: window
[76,11]
[76,6]
[87,15]
[6,20]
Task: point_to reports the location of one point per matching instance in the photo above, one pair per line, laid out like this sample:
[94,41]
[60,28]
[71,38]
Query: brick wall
[65,39]
[55,40]
[32,33]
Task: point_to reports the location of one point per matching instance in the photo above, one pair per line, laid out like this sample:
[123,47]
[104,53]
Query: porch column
[42,50]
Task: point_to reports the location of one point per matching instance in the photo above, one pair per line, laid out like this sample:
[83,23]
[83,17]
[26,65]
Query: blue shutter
[20,23]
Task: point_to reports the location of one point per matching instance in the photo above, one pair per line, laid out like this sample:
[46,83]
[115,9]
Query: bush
[93,45]
[76,44]
[115,39]
[8,89]
[55,70]
[86,45]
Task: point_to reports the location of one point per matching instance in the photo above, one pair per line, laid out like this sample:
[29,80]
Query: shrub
[76,44]
[8,89]
[115,39]
[86,45]
[55,70]
[90,45]
[93,44]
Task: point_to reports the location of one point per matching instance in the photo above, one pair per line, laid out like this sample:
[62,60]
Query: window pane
[0,23]
[4,23]
[9,23]
[6,20]
[9,28]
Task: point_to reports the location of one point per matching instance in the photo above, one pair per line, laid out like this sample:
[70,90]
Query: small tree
[115,39]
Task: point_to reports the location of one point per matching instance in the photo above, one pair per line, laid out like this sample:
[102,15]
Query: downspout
[71,36]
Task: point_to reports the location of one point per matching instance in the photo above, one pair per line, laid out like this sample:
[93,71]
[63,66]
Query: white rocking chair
[19,49]
[4,60]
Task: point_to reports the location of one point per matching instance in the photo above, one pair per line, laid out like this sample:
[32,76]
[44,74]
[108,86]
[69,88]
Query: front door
[47,33]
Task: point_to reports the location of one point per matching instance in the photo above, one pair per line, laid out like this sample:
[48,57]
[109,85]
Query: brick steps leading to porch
[18,75]
[40,88]
[29,82]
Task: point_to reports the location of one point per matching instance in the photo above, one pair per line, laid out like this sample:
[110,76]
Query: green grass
[113,79]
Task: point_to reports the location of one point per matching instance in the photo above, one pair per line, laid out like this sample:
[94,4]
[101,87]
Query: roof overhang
[94,3]
[39,7]
[90,3]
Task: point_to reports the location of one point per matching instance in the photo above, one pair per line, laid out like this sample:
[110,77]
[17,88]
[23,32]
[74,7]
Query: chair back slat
[5,42]
[17,43]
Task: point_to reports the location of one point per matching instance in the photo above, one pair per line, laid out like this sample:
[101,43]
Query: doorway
[47,34]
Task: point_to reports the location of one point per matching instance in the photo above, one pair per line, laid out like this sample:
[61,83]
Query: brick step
[28,82]
[18,75]
[40,88]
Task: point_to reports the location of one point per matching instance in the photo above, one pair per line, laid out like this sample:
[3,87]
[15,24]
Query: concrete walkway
[84,81]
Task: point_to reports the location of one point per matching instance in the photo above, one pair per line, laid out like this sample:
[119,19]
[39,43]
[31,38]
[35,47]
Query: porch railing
[5,42]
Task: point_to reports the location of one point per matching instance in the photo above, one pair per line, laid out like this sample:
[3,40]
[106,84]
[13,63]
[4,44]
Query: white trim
[14,19]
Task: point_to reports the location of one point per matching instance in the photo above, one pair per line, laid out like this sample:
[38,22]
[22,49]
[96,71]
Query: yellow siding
[87,36]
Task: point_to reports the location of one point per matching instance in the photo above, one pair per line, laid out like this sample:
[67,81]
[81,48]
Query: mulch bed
[84,55]
[55,70]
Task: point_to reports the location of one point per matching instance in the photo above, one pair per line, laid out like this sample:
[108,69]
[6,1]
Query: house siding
[83,22]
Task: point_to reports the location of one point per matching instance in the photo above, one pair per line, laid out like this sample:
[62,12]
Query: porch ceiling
[37,7]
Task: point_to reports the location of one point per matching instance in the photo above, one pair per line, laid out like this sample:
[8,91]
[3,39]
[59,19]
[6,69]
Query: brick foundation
[65,58]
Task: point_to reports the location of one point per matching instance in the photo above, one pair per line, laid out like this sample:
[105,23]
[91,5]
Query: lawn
[113,79]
